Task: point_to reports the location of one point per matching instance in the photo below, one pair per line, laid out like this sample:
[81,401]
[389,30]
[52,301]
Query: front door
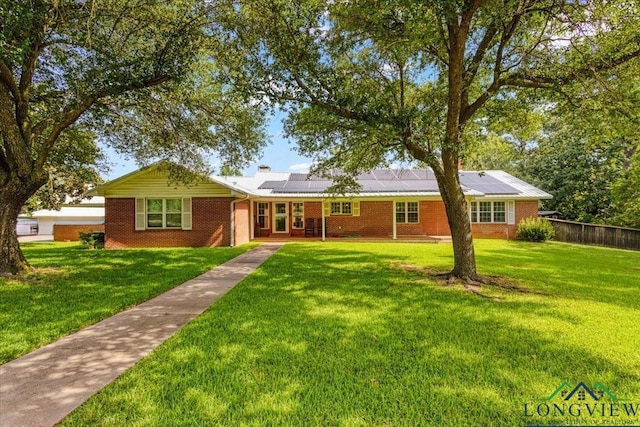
[280,217]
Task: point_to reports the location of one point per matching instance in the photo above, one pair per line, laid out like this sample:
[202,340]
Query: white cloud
[300,167]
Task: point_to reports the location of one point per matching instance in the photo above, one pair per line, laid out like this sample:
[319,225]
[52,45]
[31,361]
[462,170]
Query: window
[263,215]
[164,213]
[297,212]
[340,208]
[280,217]
[489,212]
[407,213]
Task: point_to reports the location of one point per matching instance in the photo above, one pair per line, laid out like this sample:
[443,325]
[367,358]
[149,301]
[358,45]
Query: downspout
[232,236]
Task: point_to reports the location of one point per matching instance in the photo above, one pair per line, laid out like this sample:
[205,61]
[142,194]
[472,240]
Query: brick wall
[69,232]
[375,220]
[524,209]
[210,219]
[211,223]
[433,218]
[242,224]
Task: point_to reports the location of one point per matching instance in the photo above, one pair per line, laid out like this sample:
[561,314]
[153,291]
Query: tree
[577,169]
[366,83]
[625,194]
[142,77]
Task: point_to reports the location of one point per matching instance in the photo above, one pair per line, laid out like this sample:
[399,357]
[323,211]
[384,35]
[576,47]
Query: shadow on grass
[73,287]
[582,272]
[330,335]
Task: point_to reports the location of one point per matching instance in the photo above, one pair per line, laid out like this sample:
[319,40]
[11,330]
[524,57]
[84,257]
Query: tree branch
[16,152]
[481,51]
[6,76]
[67,118]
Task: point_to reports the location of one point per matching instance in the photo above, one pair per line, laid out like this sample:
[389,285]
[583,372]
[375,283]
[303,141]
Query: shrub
[534,230]
[93,239]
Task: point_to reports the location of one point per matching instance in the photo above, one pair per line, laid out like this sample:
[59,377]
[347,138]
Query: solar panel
[298,177]
[272,184]
[391,180]
[485,183]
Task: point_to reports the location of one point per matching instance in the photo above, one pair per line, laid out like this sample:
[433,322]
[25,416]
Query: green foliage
[625,194]
[73,166]
[578,170]
[355,334]
[143,77]
[367,84]
[93,240]
[534,230]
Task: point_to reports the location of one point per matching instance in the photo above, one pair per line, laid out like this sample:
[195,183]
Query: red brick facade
[70,232]
[211,218]
[212,223]
[376,220]
[523,209]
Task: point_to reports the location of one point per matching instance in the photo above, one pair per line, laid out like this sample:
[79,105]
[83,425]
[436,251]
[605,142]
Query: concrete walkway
[43,387]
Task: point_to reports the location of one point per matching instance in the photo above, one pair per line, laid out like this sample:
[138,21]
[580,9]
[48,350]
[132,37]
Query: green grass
[73,287]
[337,334]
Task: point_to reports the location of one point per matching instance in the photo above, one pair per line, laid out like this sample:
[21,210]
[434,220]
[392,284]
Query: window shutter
[140,213]
[186,213]
[356,208]
[511,212]
[327,208]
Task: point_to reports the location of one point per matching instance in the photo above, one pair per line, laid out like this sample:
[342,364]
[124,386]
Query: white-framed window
[164,213]
[158,213]
[407,213]
[263,214]
[489,212]
[341,208]
[297,213]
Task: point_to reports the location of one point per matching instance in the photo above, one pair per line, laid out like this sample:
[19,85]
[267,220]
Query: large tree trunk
[464,266]
[12,197]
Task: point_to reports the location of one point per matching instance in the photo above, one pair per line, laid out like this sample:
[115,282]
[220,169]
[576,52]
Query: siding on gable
[154,184]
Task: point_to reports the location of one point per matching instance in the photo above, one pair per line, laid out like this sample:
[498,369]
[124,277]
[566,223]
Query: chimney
[264,168]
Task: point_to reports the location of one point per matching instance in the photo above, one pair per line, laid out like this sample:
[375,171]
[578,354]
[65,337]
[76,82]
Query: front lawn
[345,334]
[74,287]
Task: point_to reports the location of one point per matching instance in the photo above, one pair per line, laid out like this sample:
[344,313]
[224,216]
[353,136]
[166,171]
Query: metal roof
[525,190]
[388,183]
[77,211]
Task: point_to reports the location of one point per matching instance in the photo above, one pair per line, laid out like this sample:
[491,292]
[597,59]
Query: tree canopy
[579,149]
[368,83]
[140,76]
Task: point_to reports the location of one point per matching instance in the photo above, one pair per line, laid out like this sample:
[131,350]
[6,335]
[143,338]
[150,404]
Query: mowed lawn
[74,287]
[345,334]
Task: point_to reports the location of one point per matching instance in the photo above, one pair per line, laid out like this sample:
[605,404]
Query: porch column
[324,225]
[393,213]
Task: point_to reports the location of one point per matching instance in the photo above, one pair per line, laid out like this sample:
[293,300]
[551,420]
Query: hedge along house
[142,209]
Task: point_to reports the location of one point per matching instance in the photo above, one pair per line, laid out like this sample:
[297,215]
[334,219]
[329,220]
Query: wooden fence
[595,234]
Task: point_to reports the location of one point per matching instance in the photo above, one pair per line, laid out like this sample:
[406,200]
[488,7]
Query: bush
[535,230]
[93,239]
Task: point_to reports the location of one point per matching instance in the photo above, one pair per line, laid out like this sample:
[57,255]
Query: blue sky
[280,155]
